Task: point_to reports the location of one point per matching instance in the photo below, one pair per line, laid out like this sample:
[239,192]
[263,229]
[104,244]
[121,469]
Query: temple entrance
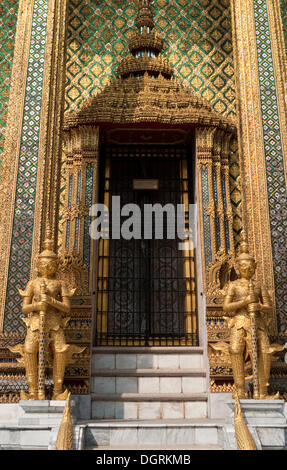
[146,288]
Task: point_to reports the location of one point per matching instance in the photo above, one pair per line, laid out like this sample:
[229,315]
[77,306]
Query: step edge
[156,447]
[153,423]
[143,397]
[148,350]
[149,372]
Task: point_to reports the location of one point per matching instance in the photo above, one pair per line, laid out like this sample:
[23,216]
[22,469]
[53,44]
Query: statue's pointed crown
[48,244]
[244,248]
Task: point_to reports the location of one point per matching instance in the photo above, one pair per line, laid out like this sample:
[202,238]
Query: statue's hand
[40,306]
[47,299]
[256,307]
[249,300]
[246,301]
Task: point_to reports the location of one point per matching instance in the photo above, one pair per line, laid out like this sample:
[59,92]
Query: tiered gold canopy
[146,89]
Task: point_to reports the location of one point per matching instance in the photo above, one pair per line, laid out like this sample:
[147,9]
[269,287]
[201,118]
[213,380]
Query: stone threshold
[149,373]
[147,349]
[18,447]
[26,427]
[151,423]
[144,397]
[156,447]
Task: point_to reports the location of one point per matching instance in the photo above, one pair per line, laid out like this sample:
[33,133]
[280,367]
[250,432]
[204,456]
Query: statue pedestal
[31,424]
[260,412]
[43,412]
[266,421]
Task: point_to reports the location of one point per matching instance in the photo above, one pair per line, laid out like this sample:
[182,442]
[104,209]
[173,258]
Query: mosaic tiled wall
[275,176]
[8,21]
[197,34]
[284,19]
[23,222]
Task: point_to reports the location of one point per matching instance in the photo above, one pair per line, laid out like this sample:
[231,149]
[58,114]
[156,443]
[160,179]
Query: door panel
[145,285]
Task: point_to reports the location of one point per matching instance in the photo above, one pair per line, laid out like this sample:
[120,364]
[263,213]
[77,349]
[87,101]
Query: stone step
[153,447]
[148,383]
[147,358]
[150,397]
[149,373]
[149,406]
[153,434]
[155,384]
[148,349]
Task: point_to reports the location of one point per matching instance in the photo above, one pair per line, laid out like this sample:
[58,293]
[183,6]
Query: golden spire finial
[145,14]
[145,45]
[244,247]
[48,243]
[244,242]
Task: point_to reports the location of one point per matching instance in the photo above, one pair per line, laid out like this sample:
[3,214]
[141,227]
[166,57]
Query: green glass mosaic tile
[8,22]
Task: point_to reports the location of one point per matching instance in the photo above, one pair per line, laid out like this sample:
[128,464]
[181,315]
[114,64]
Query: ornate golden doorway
[146,286]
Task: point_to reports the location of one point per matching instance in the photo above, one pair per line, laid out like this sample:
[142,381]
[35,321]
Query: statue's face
[47,267]
[246,268]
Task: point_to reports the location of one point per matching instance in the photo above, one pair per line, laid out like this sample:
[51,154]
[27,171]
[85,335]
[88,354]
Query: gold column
[204,150]
[82,150]
[228,213]
[218,170]
[251,142]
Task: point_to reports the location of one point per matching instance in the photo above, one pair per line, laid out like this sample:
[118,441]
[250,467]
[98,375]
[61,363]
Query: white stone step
[148,383]
[138,382]
[153,447]
[149,406]
[147,358]
[149,372]
[153,434]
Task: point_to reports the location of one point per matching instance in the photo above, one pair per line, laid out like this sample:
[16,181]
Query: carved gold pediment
[147,99]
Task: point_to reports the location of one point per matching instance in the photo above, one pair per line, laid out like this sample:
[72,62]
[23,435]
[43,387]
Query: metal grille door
[146,287]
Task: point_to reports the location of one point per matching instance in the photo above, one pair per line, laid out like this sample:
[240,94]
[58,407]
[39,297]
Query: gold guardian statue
[46,302]
[249,308]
